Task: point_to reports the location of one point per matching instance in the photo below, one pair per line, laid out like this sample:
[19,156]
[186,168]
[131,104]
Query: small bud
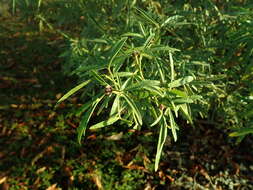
[135,54]
[162,107]
[108,90]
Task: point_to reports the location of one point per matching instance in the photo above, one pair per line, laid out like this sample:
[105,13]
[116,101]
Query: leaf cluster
[152,63]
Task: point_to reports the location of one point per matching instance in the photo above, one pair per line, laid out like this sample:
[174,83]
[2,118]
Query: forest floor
[39,150]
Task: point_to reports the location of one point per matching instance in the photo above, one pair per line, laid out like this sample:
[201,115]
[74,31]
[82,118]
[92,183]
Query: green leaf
[134,108]
[85,120]
[131,34]
[171,20]
[157,120]
[161,71]
[154,90]
[163,48]
[83,124]
[242,132]
[146,17]
[92,64]
[13,6]
[150,85]
[97,40]
[88,104]
[83,108]
[149,40]
[105,123]
[178,93]
[142,84]
[104,104]
[184,109]
[126,74]
[124,85]
[116,49]
[162,138]
[142,29]
[183,100]
[216,77]
[39,4]
[98,78]
[173,125]
[73,90]
[180,82]
[119,62]
[172,70]
[115,106]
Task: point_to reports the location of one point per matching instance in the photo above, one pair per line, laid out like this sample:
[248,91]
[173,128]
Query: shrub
[137,76]
[152,63]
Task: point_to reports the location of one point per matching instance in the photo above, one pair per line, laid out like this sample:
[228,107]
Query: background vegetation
[163,84]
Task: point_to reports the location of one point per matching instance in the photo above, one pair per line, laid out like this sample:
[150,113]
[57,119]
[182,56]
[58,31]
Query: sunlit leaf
[85,120]
[173,125]
[142,84]
[131,34]
[134,108]
[162,139]
[181,82]
[116,49]
[172,69]
[146,17]
[115,105]
[105,123]
[186,113]
[242,132]
[73,90]
[98,78]
[158,119]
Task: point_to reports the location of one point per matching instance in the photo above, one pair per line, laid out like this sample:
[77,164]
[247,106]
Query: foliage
[137,75]
[38,148]
[152,63]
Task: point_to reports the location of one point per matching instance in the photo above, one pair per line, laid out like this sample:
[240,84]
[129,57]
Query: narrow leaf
[105,123]
[146,17]
[73,90]
[98,77]
[181,81]
[85,120]
[186,113]
[115,106]
[116,49]
[157,120]
[171,20]
[178,93]
[159,67]
[87,105]
[163,48]
[126,74]
[183,100]
[172,71]
[142,84]
[83,124]
[134,108]
[130,34]
[125,84]
[173,125]
[104,105]
[242,132]
[162,138]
